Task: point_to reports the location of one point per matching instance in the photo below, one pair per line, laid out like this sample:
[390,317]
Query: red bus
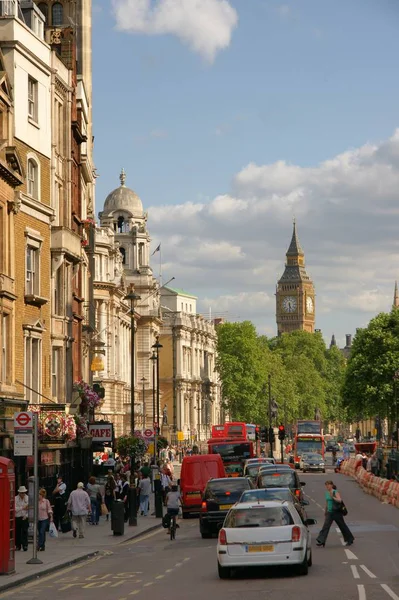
[235,430]
[233,452]
[307,442]
[218,431]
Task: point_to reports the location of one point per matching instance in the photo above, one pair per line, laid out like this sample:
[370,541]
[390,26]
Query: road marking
[178,564]
[350,555]
[141,538]
[342,541]
[369,573]
[134,592]
[168,570]
[389,591]
[185,559]
[159,576]
[148,583]
[355,572]
[362,592]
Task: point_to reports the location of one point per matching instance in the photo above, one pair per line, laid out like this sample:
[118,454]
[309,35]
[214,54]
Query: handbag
[66,525]
[340,507]
[104,509]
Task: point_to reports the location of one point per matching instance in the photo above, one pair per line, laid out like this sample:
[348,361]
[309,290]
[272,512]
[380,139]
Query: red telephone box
[7,516]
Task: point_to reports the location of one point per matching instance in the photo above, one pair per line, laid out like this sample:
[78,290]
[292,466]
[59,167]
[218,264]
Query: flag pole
[160,265]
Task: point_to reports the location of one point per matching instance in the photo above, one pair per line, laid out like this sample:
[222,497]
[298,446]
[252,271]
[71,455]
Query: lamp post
[132,297]
[153,358]
[143,380]
[157,346]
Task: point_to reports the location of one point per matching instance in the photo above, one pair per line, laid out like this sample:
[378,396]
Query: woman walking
[109,492]
[94,491]
[333,512]
[44,519]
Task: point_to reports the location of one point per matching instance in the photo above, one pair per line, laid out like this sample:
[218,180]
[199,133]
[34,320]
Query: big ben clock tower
[295,297]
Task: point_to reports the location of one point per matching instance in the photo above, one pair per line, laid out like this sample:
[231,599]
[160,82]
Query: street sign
[23,420]
[23,444]
[180,436]
[23,434]
[148,433]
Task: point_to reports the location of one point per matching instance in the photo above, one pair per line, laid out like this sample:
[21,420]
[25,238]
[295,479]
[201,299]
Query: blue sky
[300,82]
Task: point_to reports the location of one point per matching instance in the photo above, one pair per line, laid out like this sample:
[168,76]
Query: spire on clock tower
[295,302]
[396,296]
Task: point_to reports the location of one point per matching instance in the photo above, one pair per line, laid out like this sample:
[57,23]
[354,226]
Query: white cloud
[230,250]
[206,26]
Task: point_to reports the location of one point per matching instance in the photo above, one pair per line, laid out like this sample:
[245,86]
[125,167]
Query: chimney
[348,340]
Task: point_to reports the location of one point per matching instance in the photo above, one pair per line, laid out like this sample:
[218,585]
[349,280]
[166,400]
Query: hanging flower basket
[89,399]
[85,442]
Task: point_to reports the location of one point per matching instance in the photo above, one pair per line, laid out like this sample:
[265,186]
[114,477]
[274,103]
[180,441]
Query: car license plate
[194,494]
[260,548]
[225,506]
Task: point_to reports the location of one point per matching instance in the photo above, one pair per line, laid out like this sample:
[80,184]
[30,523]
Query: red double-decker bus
[307,442]
[233,452]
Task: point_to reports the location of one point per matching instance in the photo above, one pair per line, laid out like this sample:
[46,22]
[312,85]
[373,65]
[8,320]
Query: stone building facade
[190,383]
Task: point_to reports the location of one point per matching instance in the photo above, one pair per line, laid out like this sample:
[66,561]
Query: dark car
[283,494]
[279,478]
[219,496]
[331,446]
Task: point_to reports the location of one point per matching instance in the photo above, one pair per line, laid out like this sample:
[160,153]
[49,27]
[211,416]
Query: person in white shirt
[21,518]
[173,502]
[79,505]
[59,499]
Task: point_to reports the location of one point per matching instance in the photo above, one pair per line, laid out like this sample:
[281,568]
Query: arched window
[33,179]
[57,14]
[123,252]
[121,221]
[44,9]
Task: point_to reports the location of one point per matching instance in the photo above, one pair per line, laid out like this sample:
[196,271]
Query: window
[43,9]
[32,270]
[32,98]
[123,252]
[57,14]
[55,365]
[4,348]
[33,176]
[33,380]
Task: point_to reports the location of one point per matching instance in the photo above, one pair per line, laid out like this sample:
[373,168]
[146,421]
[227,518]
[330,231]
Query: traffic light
[256,433]
[271,436]
[281,432]
[263,434]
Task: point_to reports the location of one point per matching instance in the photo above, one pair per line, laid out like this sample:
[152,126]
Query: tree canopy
[305,376]
[368,389]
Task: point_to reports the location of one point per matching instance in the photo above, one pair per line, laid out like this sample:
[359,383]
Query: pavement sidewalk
[66,550]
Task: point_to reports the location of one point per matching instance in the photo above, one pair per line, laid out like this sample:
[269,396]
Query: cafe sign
[101,432]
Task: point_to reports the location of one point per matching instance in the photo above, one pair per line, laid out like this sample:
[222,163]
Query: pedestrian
[368,467]
[94,491]
[166,484]
[146,469]
[109,492]
[80,506]
[333,513]
[145,490]
[45,516]
[59,499]
[21,518]
[374,464]
[124,495]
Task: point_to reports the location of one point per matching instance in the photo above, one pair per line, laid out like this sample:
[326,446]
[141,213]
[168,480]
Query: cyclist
[173,502]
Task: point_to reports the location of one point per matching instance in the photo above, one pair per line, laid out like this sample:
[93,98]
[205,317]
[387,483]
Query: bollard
[118,517]
[133,505]
[158,499]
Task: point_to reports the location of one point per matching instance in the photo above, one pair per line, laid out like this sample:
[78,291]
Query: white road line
[389,591]
[361,592]
[159,576]
[369,573]
[350,555]
[187,558]
[342,541]
[355,572]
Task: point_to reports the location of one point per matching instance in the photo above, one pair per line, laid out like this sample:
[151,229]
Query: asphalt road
[155,568]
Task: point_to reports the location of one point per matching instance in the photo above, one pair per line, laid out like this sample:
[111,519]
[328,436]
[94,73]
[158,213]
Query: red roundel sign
[23,419]
[148,433]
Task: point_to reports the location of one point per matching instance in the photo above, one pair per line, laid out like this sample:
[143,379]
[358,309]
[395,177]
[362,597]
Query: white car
[264,534]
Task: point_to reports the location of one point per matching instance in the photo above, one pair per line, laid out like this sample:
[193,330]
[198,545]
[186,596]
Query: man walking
[21,519]
[145,490]
[79,505]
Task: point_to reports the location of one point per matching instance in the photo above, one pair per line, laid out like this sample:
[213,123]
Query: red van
[196,471]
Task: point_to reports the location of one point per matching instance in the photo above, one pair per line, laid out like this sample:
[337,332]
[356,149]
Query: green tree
[368,389]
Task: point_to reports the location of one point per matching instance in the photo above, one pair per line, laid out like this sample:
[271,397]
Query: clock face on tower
[309,305]
[289,304]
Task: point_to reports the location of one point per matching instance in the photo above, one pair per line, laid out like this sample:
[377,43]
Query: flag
[157,249]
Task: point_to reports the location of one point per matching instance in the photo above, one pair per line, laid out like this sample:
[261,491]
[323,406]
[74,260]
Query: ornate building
[295,295]
[123,214]
[190,383]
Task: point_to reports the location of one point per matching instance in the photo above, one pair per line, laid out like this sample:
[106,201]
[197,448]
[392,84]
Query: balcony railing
[9,9]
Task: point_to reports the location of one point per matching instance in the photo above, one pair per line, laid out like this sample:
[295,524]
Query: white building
[190,383]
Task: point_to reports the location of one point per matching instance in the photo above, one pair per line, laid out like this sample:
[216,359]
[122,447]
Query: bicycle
[173,527]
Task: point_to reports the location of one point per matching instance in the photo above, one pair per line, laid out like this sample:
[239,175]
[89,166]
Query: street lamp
[132,297]
[153,358]
[157,346]
[143,380]
[198,409]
